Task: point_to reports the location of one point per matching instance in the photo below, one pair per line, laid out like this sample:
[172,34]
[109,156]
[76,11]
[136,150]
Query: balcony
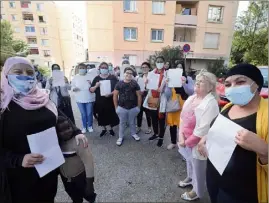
[186,14]
[30,34]
[31,45]
[186,21]
[33,51]
[26,7]
[28,22]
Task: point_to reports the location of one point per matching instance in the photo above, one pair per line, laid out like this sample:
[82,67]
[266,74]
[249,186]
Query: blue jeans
[86,110]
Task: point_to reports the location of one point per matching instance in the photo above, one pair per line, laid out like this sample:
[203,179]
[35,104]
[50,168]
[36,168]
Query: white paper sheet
[105,87]
[46,144]
[220,142]
[174,76]
[58,78]
[153,81]
[141,84]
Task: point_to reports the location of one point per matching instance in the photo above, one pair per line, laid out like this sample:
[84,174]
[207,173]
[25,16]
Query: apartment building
[49,31]
[136,29]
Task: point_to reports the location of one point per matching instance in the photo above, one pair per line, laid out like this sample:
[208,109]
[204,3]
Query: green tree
[217,67]
[9,45]
[44,70]
[170,54]
[250,43]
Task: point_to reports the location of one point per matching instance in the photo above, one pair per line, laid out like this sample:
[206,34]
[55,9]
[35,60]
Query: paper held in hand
[174,76]
[58,78]
[153,81]
[220,142]
[46,144]
[105,87]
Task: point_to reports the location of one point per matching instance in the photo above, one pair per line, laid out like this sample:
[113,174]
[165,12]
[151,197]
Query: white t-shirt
[83,82]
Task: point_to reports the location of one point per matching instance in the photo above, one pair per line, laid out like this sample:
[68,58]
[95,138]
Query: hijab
[35,99]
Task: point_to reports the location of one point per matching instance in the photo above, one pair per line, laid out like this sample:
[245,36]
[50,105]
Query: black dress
[238,183]
[24,183]
[104,106]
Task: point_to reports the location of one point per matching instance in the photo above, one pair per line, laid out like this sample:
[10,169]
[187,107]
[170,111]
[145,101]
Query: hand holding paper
[105,87]
[58,78]
[153,81]
[175,77]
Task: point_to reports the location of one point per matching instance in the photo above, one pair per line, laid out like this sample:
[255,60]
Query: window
[130,34]
[12,4]
[28,17]
[46,52]
[14,17]
[129,6]
[34,51]
[215,14]
[17,29]
[44,42]
[43,31]
[32,41]
[29,29]
[25,4]
[41,19]
[211,40]
[40,6]
[158,7]
[156,35]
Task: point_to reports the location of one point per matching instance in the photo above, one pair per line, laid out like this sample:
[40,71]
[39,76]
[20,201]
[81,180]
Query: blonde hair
[211,78]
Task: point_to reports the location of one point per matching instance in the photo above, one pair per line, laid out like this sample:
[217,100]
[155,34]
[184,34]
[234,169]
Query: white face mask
[159,65]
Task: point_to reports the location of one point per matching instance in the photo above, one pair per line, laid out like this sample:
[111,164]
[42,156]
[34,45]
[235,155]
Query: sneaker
[148,131]
[136,137]
[103,133]
[90,129]
[138,129]
[171,146]
[160,142]
[111,132]
[84,130]
[119,141]
[153,137]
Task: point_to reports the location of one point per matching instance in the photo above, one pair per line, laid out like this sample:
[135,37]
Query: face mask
[82,71]
[159,65]
[21,83]
[104,71]
[240,95]
[110,68]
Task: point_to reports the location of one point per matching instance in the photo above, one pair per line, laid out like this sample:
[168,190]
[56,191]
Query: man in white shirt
[84,98]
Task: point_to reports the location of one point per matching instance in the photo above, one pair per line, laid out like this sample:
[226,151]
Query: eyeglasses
[144,67]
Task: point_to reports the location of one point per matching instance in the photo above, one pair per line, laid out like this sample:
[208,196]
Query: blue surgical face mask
[104,71]
[82,71]
[240,95]
[110,68]
[22,83]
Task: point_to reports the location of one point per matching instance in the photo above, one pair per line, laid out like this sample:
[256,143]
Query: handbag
[153,102]
[172,105]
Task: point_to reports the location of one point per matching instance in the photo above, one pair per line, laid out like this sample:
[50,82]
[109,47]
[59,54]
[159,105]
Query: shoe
[111,132]
[184,183]
[84,130]
[148,131]
[189,196]
[103,133]
[160,142]
[153,137]
[119,141]
[90,129]
[138,129]
[171,146]
[136,137]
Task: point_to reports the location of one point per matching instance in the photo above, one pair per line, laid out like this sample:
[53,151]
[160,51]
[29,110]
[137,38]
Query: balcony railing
[185,20]
[31,45]
[30,33]
[28,22]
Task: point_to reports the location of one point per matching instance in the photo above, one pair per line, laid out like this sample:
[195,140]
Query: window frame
[134,10]
[13,3]
[45,33]
[16,17]
[157,1]
[43,17]
[17,29]
[221,14]
[157,31]
[46,44]
[42,7]
[46,53]
[218,43]
[130,34]
[30,26]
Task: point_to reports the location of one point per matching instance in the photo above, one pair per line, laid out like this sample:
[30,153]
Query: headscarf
[35,99]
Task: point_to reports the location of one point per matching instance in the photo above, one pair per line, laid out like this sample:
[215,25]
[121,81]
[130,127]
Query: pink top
[188,124]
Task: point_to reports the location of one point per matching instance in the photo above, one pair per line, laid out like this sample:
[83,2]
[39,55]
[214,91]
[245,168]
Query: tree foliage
[170,54]
[9,45]
[44,70]
[217,67]
[250,43]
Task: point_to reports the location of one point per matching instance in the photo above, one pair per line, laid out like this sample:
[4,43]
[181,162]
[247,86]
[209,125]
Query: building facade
[136,29]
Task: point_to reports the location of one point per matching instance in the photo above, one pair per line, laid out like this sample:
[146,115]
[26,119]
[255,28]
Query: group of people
[189,111]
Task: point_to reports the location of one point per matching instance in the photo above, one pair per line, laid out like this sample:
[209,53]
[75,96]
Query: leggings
[140,117]
[173,134]
[158,124]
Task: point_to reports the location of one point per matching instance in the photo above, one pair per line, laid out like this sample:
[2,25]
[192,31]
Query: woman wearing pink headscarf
[24,110]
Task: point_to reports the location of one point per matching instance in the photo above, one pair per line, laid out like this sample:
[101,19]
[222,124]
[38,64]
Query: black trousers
[140,117]
[173,134]
[158,124]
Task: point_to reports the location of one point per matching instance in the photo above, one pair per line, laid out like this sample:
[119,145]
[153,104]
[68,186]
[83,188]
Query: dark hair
[160,57]
[146,63]
[55,64]
[103,63]
[128,68]
[82,65]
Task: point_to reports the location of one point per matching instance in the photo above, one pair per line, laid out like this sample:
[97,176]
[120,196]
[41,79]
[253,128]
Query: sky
[243,6]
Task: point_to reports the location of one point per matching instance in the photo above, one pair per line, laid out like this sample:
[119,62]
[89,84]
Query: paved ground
[134,172]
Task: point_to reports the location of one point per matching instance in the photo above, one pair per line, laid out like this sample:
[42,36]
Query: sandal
[186,196]
[184,184]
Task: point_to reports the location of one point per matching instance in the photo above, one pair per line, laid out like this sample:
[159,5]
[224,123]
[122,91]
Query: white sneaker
[90,129]
[171,146]
[136,137]
[119,141]
[84,130]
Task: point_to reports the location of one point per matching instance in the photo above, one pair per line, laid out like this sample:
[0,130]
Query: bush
[217,67]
